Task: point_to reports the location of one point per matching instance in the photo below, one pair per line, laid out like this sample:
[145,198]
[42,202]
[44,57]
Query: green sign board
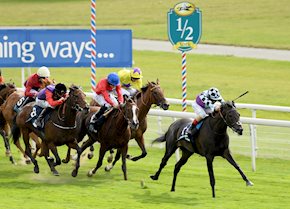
[184,26]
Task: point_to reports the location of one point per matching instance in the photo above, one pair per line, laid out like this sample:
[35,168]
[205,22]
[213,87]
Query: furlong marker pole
[183,73]
[93,45]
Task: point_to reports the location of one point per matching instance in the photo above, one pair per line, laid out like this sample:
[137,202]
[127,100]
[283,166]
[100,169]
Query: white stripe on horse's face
[134,110]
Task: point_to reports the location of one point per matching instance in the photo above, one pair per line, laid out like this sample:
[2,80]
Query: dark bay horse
[114,133]
[212,140]
[149,95]
[5,90]
[59,130]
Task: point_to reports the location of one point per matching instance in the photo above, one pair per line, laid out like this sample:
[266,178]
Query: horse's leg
[168,153]
[227,155]
[74,145]
[17,144]
[110,158]
[49,160]
[37,143]
[124,151]
[117,157]
[209,160]
[185,155]
[7,146]
[55,153]
[25,134]
[85,145]
[91,153]
[102,153]
[67,159]
[140,141]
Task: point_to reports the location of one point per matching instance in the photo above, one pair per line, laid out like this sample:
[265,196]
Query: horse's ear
[126,97]
[157,81]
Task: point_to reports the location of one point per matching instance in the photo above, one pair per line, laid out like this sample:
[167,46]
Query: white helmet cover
[43,72]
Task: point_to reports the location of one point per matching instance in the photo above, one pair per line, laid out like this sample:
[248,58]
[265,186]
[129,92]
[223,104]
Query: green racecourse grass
[20,188]
[258,23]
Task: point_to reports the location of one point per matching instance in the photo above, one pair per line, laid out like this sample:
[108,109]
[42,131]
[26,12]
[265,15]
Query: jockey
[1,78]
[49,98]
[104,92]
[205,103]
[34,83]
[131,81]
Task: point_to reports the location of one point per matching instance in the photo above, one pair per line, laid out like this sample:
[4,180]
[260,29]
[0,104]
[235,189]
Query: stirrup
[92,129]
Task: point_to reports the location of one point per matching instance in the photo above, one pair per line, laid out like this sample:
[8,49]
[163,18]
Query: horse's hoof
[110,159]
[74,173]
[249,183]
[108,168]
[153,177]
[129,157]
[65,161]
[55,173]
[90,156]
[28,161]
[12,160]
[90,174]
[36,169]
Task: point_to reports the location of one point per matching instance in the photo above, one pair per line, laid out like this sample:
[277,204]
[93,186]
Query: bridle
[225,118]
[149,100]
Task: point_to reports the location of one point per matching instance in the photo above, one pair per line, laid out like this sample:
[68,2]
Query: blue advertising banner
[64,48]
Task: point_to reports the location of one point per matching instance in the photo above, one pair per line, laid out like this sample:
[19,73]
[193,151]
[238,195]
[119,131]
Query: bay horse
[149,95]
[212,140]
[59,130]
[114,133]
[7,117]
[5,90]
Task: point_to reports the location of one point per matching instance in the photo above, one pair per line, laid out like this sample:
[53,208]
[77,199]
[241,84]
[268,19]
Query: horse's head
[231,117]
[130,112]
[77,99]
[156,95]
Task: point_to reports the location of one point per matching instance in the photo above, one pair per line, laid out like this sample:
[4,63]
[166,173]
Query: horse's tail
[15,131]
[159,139]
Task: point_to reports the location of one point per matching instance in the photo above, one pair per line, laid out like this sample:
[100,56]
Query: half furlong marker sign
[64,48]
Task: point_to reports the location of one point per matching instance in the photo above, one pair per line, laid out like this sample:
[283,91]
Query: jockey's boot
[39,122]
[191,132]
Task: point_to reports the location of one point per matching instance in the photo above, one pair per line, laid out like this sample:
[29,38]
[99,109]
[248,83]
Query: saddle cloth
[184,135]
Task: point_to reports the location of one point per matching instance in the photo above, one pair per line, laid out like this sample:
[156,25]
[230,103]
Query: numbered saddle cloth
[21,102]
[36,110]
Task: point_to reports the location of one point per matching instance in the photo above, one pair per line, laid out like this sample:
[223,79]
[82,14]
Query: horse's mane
[10,85]
[143,89]
[74,87]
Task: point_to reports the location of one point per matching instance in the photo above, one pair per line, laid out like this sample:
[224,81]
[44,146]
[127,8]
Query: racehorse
[149,95]
[114,133]
[212,140]
[5,90]
[7,116]
[60,129]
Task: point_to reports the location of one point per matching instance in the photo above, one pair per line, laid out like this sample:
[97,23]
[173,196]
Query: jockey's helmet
[113,79]
[136,73]
[214,94]
[60,88]
[43,72]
